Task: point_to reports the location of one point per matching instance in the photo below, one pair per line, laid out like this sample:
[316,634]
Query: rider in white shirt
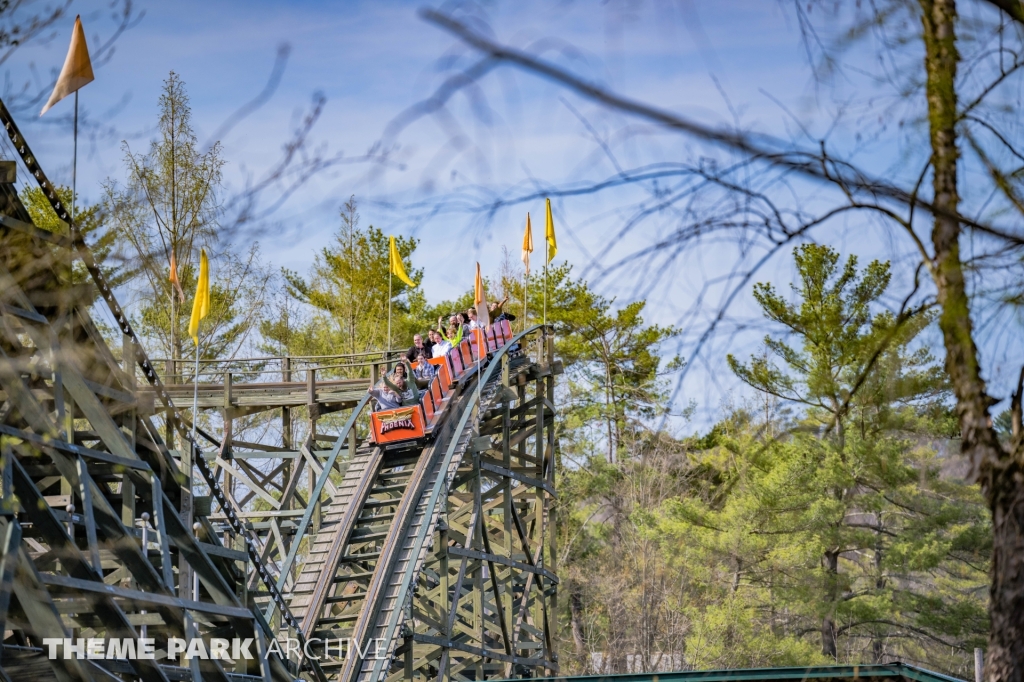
[441,345]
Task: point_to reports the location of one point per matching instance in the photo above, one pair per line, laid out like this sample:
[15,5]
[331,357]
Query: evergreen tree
[92,221]
[346,294]
[814,524]
[167,209]
[611,355]
[849,526]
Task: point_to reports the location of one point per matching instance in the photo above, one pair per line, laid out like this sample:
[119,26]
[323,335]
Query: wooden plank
[141,599]
[11,541]
[85,493]
[34,232]
[106,519]
[55,534]
[156,494]
[95,412]
[222,593]
[522,478]
[316,468]
[276,504]
[42,615]
[24,314]
[505,561]
[27,404]
[116,623]
[73,449]
[112,393]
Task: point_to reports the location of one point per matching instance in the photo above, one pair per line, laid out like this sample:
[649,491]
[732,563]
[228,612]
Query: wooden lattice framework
[484,605]
[98,535]
[469,551]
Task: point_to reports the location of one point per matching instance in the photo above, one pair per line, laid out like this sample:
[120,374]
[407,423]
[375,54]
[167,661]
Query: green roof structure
[894,672]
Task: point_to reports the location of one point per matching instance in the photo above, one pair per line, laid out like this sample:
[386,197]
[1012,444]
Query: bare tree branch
[813,165]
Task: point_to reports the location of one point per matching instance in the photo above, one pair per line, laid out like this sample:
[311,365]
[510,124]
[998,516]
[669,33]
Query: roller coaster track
[374,572]
[431,559]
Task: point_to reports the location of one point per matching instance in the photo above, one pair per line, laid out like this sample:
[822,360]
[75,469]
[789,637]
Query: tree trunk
[1000,475]
[175,350]
[351,289]
[175,368]
[609,417]
[576,620]
[878,639]
[1004,489]
[828,623]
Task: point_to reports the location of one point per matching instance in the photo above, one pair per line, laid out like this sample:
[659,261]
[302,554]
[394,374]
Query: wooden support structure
[470,512]
[83,459]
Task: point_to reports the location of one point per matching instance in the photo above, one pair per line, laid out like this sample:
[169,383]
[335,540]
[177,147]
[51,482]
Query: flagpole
[195,395]
[526,281]
[390,275]
[194,445]
[479,379]
[194,452]
[75,74]
[74,162]
[546,244]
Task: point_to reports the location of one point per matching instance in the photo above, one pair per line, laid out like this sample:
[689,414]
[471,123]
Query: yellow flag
[201,306]
[549,233]
[77,69]
[527,245]
[397,269]
[483,315]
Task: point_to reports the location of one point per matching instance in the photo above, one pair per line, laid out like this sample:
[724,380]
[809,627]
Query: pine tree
[167,209]
[847,526]
[346,295]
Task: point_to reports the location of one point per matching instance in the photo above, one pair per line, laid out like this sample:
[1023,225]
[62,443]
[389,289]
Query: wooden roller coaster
[362,551]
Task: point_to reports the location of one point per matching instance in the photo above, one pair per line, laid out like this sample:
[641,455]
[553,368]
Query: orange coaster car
[399,424]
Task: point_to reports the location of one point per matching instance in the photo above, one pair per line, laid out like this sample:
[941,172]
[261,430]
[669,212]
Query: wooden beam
[10,542]
[138,598]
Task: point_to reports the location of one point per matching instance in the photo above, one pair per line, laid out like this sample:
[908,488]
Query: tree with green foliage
[850,525]
[346,294]
[238,291]
[167,209]
[620,608]
[814,524]
[92,221]
[612,356]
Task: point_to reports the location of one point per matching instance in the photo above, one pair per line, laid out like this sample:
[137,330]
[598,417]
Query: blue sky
[372,60]
[729,62]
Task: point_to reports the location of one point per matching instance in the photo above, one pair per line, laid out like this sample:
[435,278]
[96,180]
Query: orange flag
[77,70]
[527,245]
[174,278]
[483,316]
